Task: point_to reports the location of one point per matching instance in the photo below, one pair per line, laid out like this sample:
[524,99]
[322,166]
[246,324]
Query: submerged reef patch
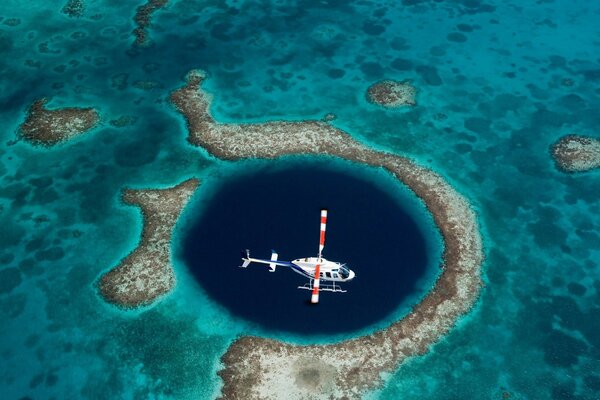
[147,272]
[269,369]
[573,153]
[48,127]
[73,8]
[392,94]
[143,17]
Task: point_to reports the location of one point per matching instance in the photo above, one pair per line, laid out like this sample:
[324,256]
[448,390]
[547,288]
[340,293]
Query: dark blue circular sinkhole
[368,228]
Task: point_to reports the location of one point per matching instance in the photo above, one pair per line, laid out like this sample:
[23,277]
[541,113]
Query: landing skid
[323,287]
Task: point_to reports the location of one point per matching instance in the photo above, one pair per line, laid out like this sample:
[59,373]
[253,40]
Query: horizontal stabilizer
[274,257]
[245,258]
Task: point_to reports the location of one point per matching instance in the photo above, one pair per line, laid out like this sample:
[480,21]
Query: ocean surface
[498,82]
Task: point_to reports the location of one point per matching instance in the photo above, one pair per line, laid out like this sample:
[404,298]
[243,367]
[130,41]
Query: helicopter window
[321,275]
[328,274]
[335,276]
[344,272]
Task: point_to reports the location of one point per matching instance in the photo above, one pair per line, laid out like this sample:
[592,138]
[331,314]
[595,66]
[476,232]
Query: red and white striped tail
[314,299]
[323,228]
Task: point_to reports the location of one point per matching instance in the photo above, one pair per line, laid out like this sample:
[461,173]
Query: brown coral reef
[392,94]
[258,368]
[573,153]
[48,127]
[73,8]
[147,272]
[143,19]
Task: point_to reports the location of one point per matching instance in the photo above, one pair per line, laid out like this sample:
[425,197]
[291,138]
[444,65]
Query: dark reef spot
[557,61]
[34,244]
[41,182]
[576,289]
[27,266]
[464,27]
[413,2]
[501,105]
[591,75]
[10,278]
[399,44]
[463,148]
[32,340]
[478,125]
[429,75]
[12,22]
[6,258]
[572,102]
[51,379]
[456,37]
[52,254]
[47,195]
[36,380]
[119,81]
[537,92]
[547,233]
[13,306]
[562,350]
[6,44]
[592,382]
[373,28]
[437,51]
[336,73]
[136,154]
[372,69]
[402,64]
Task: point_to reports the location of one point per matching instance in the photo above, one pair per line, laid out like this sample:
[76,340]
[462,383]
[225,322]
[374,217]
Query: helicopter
[316,269]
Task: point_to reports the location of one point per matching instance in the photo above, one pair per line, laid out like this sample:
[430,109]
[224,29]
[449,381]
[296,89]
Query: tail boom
[273,262]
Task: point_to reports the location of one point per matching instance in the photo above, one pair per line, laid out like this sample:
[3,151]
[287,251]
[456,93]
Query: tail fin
[246,258]
[274,256]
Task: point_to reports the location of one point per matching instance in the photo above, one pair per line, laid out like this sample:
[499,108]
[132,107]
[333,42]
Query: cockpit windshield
[344,272]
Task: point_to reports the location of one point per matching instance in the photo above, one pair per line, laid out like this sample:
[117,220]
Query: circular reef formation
[392,94]
[261,368]
[383,237]
[573,153]
[48,127]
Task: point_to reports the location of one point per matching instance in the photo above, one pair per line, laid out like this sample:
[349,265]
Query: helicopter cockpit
[344,272]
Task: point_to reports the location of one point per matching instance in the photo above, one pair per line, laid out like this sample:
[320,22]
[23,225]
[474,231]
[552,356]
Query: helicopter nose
[351,275]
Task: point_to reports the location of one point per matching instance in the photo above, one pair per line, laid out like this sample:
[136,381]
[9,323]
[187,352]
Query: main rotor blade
[323,227]
[314,299]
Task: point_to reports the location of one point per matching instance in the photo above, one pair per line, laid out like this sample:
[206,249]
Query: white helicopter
[314,268]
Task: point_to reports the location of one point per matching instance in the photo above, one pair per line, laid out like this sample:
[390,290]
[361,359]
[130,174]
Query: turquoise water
[498,83]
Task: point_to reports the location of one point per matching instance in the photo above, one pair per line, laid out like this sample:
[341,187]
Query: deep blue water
[367,228]
[498,82]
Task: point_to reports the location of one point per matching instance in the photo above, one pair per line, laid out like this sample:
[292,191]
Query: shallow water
[498,83]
